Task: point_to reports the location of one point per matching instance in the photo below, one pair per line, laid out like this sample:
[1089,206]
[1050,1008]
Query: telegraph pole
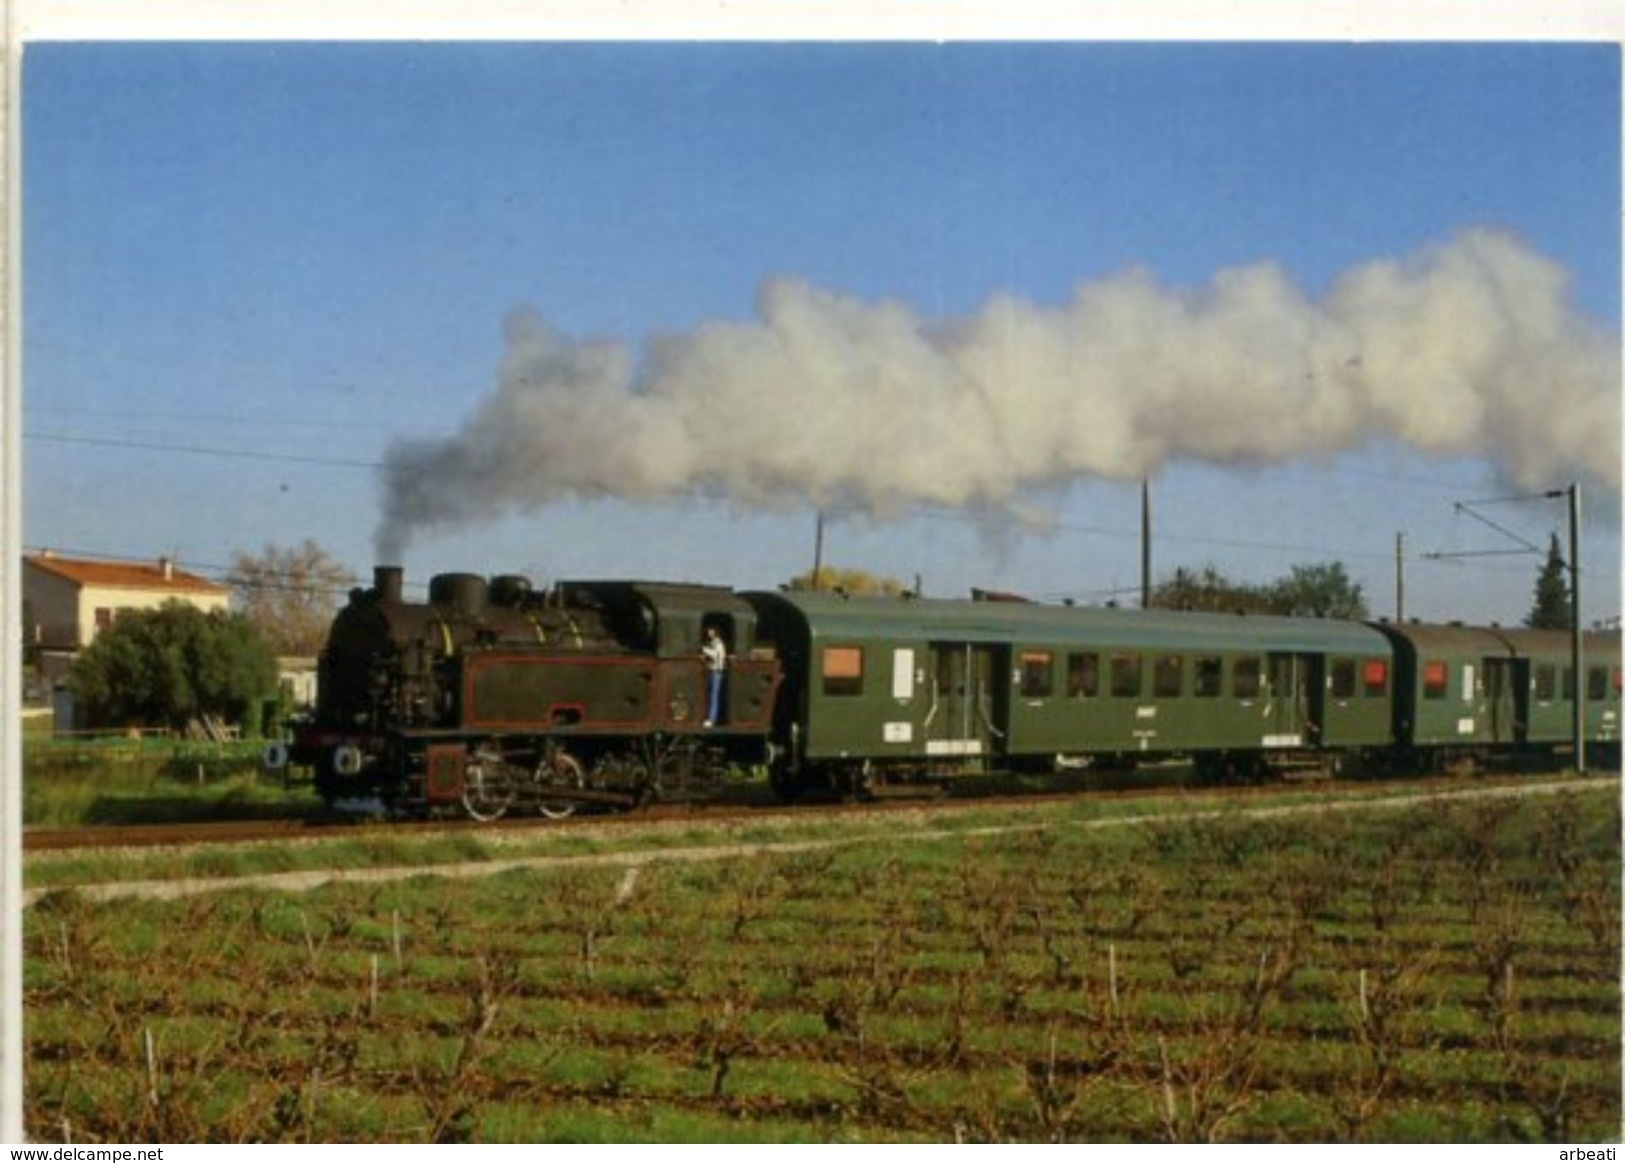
[1576,638]
[1399,578]
[1145,543]
[818,553]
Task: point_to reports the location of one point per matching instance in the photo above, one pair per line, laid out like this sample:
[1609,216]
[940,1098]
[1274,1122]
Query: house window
[1082,676]
[104,618]
[843,670]
[1037,674]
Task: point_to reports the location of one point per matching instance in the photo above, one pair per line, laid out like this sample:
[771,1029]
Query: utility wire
[228,453]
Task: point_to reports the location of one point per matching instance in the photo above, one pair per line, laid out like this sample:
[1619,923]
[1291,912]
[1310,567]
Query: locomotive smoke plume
[1470,348]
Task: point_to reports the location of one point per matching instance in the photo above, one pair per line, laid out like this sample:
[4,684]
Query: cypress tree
[1551,610]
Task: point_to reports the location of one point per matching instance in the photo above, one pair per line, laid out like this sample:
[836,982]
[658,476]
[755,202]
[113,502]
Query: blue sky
[249,269]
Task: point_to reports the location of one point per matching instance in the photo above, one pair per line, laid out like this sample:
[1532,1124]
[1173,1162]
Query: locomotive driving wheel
[559,768]
[489,786]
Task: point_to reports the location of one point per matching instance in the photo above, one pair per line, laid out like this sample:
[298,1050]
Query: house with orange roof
[72,600]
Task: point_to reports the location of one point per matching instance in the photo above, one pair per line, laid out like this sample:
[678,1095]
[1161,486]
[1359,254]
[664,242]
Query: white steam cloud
[1470,348]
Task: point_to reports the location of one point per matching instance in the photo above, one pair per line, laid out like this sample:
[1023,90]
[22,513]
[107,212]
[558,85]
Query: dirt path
[632,861]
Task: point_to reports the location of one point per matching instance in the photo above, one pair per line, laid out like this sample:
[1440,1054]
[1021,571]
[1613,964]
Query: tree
[166,666]
[289,594]
[1318,591]
[1552,609]
[1207,589]
[853,581]
[1308,591]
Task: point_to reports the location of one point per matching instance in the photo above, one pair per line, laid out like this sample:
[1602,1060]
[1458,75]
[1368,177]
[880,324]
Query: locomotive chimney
[386,580]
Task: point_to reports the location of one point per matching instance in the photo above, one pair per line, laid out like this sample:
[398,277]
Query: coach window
[1168,676]
[1545,683]
[1126,676]
[1376,678]
[843,670]
[1209,678]
[1597,683]
[1082,676]
[1246,677]
[1568,684]
[1435,679]
[1342,678]
[1037,674]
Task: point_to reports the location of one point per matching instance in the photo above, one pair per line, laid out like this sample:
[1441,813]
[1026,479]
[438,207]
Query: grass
[372,846]
[73,783]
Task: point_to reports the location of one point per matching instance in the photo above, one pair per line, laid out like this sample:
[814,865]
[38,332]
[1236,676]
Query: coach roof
[831,616]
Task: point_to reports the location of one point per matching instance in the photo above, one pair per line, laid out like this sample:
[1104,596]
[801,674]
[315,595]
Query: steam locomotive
[490,697]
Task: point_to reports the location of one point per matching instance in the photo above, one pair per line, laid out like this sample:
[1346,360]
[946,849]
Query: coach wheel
[560,769]
[785,781]
[858,782]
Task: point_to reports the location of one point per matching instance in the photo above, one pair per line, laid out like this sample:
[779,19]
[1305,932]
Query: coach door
[1292,715]
[1506,686]
[965,717]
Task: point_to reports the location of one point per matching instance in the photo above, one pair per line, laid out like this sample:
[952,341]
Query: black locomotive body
[490,696]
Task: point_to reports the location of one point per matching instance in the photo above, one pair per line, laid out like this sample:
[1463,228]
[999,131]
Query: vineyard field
[1439,972]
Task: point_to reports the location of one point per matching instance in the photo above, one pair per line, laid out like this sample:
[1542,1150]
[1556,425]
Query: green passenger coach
[1466,692]
[878,687]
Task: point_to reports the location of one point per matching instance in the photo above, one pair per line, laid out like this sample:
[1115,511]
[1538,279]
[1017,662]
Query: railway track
[747,804]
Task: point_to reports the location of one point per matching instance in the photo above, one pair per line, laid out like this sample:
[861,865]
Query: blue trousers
[714,683]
